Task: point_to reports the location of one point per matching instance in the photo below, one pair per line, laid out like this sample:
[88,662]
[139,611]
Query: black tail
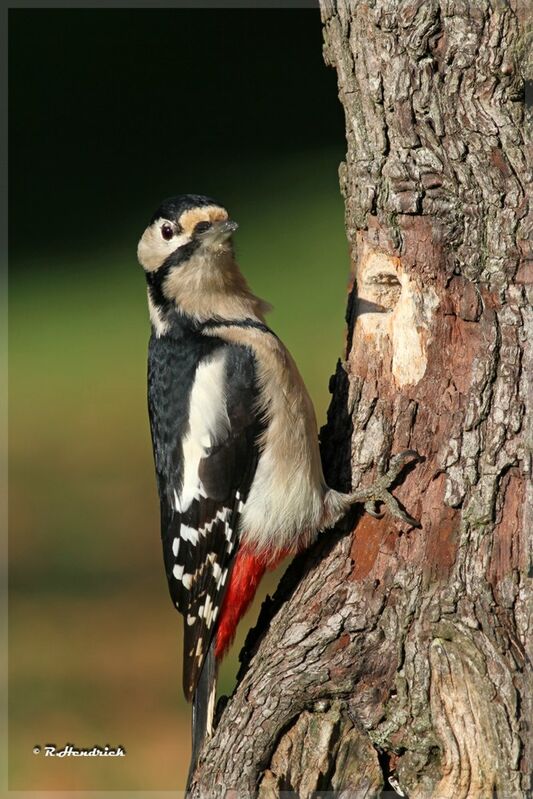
[203,708]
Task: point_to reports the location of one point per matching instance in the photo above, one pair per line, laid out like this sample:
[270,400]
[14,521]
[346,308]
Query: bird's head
[187,254]
[183,227]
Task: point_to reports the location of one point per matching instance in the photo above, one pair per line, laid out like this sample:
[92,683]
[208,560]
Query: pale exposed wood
[392,654]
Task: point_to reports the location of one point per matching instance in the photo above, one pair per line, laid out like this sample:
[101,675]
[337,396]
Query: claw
[399,461]
[411,520]
[371,509]
[409,453]
[379,492]
[396,510]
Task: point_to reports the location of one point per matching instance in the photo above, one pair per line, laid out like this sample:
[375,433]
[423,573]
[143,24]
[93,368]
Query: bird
[234,435]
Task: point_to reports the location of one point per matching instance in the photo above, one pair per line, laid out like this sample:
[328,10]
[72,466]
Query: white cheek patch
[153,249]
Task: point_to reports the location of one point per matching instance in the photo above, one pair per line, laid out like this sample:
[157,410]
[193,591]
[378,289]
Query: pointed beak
[220,231]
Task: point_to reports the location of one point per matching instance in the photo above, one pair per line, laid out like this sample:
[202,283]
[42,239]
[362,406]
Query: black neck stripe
[157,278]
[247,323]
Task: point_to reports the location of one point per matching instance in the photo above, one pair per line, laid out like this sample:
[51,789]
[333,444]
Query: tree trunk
[392,658]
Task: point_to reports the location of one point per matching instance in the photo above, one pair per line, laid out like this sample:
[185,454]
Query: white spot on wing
[189,534]
[177,571]
[220,516]
[175,547]
[177,503]
[187,580]
[208,611]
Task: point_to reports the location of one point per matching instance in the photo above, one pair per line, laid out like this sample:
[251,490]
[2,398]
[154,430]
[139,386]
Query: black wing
[201,540]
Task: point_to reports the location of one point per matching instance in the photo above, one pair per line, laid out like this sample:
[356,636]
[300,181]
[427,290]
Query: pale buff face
[153,248]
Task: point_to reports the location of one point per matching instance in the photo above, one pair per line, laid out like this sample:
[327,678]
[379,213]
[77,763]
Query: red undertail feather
[246,575]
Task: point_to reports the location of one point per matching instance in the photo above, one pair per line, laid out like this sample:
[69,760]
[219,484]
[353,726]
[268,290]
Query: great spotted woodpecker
[234,437]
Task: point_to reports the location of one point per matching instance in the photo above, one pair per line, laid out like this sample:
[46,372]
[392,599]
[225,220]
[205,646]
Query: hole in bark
[380,287]
[393,310]
[384,759]
[429,122]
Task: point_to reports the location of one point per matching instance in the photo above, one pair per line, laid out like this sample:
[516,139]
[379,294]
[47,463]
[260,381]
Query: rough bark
[393,658]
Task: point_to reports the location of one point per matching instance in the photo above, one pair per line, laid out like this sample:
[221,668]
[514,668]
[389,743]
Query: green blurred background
[111,111]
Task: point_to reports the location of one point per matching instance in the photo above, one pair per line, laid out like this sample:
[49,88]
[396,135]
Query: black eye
[202,226]
[167,231]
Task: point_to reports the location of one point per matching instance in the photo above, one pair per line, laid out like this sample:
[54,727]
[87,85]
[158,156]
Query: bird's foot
[379,492]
